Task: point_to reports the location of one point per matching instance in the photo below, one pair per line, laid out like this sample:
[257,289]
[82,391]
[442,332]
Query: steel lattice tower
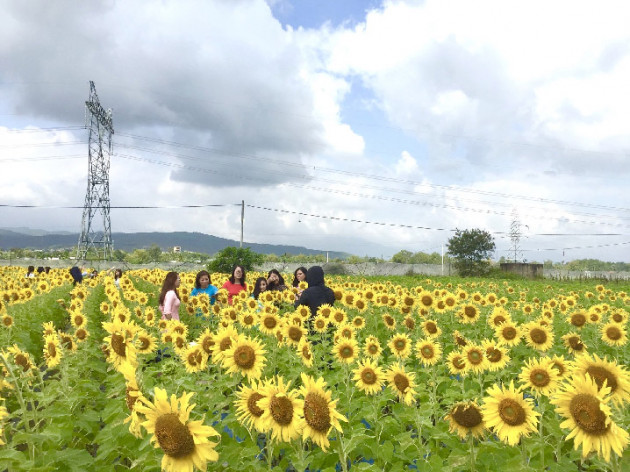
[95,242]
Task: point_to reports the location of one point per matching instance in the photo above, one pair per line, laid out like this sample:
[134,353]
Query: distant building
[177,249]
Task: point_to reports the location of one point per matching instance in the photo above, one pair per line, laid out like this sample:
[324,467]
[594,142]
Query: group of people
[30,271]
[315,295]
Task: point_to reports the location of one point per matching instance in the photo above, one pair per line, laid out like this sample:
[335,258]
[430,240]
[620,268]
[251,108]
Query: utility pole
[97,240]
[515,234]
[242,219]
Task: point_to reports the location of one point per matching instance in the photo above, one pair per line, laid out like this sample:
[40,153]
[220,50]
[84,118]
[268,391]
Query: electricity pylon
[95,241]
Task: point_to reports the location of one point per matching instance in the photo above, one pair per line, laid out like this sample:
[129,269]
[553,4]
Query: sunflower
[206,341]
[194,358]
[372,347]
[245,355]
[320,324]
[390,321]
[400,345]
[456,362]
[21,358]
[52,350]
[402,383]
[305,352]
[496,355]
[145,342]
[222,341]
[539,376]
[475,358]
[431,328]
[538,337]
[577,318]
[268,323]
[320,411]
[508,414]
[358,322]
[81,334]
[184,443]
[619,316]
[428,352]
[613,334]
[67,341]
[369,377]
[469,314]
[464,418]
[7,320]
[346,331]
[283,411]
[426,300]
[584,404]
[294,333]
[606,372]
[346,350]
[459,339]
[573,342]
[338,316]
[49,328]
[562,366]
[248,412]
[499,316]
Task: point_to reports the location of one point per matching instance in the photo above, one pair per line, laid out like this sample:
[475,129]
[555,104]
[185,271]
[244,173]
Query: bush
[227,258]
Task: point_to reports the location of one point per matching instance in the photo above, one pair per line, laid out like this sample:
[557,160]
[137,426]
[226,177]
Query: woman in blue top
[202,285]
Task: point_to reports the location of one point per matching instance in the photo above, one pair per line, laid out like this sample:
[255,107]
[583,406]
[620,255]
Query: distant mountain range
[196,242]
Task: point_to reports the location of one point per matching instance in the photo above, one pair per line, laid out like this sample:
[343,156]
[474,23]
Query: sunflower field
[401,373]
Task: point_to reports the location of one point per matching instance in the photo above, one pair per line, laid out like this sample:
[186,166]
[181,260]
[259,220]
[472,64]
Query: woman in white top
[169,298]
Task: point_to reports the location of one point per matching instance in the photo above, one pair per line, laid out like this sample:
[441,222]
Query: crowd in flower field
[441,370]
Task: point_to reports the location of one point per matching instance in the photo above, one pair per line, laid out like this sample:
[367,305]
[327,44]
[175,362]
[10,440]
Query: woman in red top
[236,282]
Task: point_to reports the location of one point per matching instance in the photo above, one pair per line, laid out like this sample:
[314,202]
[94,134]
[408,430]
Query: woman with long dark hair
[236,282]
[299,276]
[259,287]
[275,281]
[202,285]
[169,297]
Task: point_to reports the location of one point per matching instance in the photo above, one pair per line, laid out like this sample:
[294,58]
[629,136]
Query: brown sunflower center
[511,412]
[402,382]
[559,367]
[467,416]
[81,334]
[317,413]
[389,321]
[475,357]
[373,349]
[614,333]
[244,357]
[52,350]
[427,300]
[320,324]
[539,378]
[368,376]
[78,320]
[130,399]
[499,319]
[509,332]
[538,336]
[225,343]
[470,311]
[295,333]
[118,345]
[22,361]
[458,362]
[346,352]
[180,342]
[253,408]
[493,355]
[306,352]
[431,327]
[578,319]
[338,317]
[575,343]
[601,374]
[281,409]
[270,322]
[248,320]
[617,318]
[173,437]
[427,352]
[206,344]
[400,345]
[586,413]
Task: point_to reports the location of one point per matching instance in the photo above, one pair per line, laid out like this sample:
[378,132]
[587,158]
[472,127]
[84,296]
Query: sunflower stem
[541,406]
[269,451]
[471,446]
[342,453]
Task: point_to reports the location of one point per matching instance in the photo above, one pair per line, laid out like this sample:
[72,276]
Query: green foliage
[225,259]
[408,257]
[471,250]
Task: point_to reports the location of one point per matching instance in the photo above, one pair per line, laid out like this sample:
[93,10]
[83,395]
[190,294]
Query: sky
[360,126]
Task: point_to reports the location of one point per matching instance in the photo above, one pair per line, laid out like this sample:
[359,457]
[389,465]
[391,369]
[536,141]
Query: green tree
[402,257]
[471,250]
[225,259]
[154,253]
